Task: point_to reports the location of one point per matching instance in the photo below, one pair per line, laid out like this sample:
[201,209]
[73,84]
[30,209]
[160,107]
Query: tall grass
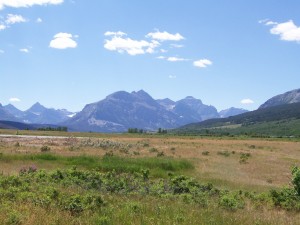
[158,166]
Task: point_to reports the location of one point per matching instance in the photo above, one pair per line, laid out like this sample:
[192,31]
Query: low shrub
[45,148]
[205,153]
[224,153]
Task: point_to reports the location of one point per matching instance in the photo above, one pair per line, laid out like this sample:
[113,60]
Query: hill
[282,120]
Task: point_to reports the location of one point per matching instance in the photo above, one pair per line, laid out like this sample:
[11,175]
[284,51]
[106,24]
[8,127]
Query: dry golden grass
[267,167]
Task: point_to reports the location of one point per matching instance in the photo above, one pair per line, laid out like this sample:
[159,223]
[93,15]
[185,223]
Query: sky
[69,53]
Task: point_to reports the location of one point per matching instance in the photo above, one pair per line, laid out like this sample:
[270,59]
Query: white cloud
[268,23]
[165,36]
[39,20]
[202,63]
[25,50]
[12,19]
[177,46]
[263,21]
[118,33]
[287,31]
[1,51]
[176,59]
[132,47]
[163,50]
[3,27]
[172,76]
[160,57]
[63,41]
[14,99]
[247,101]
[27,3]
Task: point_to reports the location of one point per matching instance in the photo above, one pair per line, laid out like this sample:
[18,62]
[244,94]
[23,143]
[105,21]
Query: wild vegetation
[148,179]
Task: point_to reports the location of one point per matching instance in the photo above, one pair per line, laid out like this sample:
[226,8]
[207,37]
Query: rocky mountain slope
[122,110]
[285,98]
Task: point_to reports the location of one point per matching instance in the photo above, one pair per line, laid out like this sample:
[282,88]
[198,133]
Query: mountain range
[36,114]
[120,111]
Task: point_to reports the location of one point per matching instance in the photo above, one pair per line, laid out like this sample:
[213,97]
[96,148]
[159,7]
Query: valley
[211,170]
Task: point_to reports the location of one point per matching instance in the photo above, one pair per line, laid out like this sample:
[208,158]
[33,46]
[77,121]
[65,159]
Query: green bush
[296,179]
[244,157]
[231,201]
[224,153]
[45,148]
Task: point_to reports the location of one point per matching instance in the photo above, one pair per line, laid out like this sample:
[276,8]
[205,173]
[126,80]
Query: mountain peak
[37,108]
[191,100]
[11,106]
[141,94]
[189,97]
[282,99]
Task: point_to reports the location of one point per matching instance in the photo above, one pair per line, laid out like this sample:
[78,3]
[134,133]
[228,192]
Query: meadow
[90,178]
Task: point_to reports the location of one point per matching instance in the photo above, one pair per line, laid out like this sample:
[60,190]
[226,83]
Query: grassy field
[145,179]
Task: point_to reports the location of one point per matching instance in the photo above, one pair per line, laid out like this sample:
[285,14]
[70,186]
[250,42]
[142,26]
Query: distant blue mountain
[37,114]
[231,112]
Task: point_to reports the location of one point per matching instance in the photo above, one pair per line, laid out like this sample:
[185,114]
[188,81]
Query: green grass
[159,166]
[75,196]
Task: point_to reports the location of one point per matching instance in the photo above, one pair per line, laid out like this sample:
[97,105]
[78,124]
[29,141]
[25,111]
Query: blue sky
[68,53]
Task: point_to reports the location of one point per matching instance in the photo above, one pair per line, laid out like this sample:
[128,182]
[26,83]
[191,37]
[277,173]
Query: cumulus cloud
[121,44]
[25,50]
[12,19]
[176,59]
[165,36]
[63,41]
[14,99]
[247,101]
[27,3]
[202,63]
[287,31]
[160,57]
